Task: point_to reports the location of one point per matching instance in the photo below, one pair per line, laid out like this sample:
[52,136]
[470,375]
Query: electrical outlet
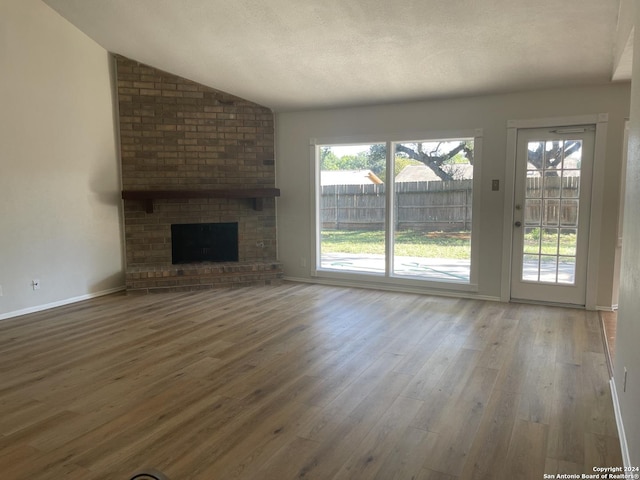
[35,284]
[624,382]
[303,262]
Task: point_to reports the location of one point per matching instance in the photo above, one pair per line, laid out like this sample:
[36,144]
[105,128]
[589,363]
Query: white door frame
[623,186]
[597,196]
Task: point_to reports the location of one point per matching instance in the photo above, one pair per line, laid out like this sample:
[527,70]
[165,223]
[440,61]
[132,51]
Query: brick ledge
[200,276]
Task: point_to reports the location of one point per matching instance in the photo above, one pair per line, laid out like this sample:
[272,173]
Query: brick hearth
[201,276]
[177,135]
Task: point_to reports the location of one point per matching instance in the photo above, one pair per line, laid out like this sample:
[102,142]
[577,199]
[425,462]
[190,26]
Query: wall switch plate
[495,185]
[35,284]
[0,290]
[624,383]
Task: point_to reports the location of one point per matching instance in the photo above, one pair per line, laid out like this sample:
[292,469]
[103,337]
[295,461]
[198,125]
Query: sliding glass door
[432,221]
[352,208]
[399,210]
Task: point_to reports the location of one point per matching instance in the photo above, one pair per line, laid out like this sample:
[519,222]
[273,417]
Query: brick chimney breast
[177,135]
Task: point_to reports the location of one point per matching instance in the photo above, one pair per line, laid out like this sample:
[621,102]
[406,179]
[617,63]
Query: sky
[341,150]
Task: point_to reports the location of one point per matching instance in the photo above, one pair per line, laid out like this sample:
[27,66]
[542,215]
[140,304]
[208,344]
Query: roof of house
[422,173]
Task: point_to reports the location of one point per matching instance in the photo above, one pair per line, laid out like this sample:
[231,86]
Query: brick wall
[178,135]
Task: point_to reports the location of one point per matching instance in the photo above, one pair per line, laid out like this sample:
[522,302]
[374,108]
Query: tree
[551,154]
[441,157]
[328,159]
[360,161]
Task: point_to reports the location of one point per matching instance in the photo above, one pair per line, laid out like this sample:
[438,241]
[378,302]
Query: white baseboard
[623,438]
[60,303]
[391,288]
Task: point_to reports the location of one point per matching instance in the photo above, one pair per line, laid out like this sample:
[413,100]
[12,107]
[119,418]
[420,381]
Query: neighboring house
[422,173]
[461,171]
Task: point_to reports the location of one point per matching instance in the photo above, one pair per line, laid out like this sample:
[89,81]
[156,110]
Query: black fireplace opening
[204,242]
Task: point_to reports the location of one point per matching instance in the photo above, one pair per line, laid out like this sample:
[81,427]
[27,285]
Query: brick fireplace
[193,155]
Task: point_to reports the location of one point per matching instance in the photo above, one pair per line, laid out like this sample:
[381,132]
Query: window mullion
[389,209]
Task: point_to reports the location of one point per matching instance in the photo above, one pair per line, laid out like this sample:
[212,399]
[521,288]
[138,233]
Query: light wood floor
[303,381]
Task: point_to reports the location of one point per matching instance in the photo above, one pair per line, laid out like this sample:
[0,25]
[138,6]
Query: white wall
[628,327]
[59,174]
[623,44]
[491,113]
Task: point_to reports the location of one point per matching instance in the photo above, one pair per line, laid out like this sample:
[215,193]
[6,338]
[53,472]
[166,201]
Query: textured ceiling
[302,54]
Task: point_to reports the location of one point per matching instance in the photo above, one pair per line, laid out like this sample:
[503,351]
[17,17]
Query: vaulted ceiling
[303,54]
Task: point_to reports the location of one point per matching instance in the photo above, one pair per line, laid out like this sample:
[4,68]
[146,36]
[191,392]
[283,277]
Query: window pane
[432,217]
[533,187]
[567,270]
[568,242]
[572,154]
[532,212]
[548,268]
[530,267]
[532,240]
[571,184]
[352,208]
[549,242]
[551,212]
[535,157]
[551,184]
[553,155]
[569,213]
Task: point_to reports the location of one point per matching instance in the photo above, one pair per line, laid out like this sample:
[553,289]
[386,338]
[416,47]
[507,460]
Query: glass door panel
[550,235]
[352,208]
[549,186]
[433,195]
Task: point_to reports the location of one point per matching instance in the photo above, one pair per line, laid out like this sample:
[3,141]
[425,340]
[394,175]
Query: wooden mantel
[148,196]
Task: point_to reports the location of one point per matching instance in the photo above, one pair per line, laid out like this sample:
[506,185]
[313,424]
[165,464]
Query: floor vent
[149,475]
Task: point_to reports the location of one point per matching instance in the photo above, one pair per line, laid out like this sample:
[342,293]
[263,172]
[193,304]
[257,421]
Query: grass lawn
[410,243]
[549,244]
[407,243]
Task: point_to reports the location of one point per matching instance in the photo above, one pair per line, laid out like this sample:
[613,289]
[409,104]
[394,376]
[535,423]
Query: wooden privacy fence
[559,207]
[430,206]
[418,205]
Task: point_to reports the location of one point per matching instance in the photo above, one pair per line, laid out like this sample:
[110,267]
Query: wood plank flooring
[303,382]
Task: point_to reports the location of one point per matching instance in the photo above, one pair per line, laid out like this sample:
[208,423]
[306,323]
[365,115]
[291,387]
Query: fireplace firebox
[204,242]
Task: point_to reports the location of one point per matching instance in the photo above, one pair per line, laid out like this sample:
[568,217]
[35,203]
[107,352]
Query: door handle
[518,224]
